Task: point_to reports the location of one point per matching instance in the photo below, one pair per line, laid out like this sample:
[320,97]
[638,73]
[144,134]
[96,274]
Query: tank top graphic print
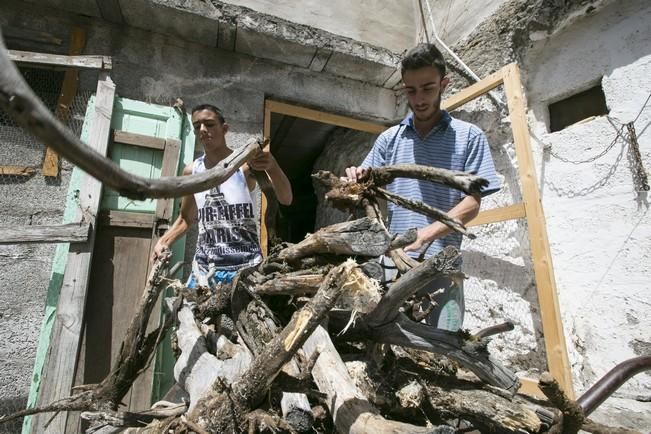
[228,236]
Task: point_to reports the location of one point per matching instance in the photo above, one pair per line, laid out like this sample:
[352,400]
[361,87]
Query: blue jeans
[199,273]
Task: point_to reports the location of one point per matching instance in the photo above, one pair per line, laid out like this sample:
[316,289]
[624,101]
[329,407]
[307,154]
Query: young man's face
[209,129]
[424,87]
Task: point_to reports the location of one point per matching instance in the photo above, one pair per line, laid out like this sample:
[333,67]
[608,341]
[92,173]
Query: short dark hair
[421,56]
[216,110]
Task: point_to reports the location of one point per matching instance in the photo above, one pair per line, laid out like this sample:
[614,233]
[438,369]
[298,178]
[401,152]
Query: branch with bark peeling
[253,353]
[27,110]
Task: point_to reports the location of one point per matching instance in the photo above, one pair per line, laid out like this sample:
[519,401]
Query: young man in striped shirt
[430,136]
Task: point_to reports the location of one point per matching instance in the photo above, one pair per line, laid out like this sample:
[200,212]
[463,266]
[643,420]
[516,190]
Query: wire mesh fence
[27,196]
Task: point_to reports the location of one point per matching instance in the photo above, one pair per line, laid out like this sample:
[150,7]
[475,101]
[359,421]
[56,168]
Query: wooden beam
[20,33]
[529,386]
[126,219]
[511,212]
[264,233]
[138,140]
[16,171]
[66,233]
[555,347]
[82,62]
[165,207]
[59,368]
[67,95]
[326,118]
[474,91]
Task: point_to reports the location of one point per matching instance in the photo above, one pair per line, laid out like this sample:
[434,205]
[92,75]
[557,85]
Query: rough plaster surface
[25,276]
[456,19]
[381,23]
[598,225]
[237,28]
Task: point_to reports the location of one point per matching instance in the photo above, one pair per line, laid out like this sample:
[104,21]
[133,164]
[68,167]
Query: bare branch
[466,182]
[27,110]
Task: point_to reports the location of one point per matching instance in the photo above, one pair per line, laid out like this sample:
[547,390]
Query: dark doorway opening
[304,141]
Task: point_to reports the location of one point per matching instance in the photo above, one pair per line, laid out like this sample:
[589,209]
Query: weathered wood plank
[326,118]
[555,346]
[511,212]
[66,233]
[351,411]
[165,207]
[83,62]
[138,140]
[68,92]
[473,91]
[126,219]
[16,171]
[10,32]
[59,368]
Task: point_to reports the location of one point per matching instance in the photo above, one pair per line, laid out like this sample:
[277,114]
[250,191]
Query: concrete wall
[157,69]
[455,19]
[599,225]
[385,24]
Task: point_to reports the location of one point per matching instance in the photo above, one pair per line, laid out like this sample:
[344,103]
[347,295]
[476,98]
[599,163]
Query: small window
[568,111]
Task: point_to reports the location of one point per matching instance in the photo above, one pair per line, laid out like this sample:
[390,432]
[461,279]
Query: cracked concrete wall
[154,68]
[381,23]
[597,213]
[597,216]
[454,19]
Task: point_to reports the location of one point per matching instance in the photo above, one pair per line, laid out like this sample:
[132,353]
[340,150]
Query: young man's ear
[444,82]
[225,127]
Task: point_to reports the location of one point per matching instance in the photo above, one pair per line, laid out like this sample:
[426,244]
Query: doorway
[304,141]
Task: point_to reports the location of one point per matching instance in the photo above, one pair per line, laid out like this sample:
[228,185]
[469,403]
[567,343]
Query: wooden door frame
[530,208]
[272,106]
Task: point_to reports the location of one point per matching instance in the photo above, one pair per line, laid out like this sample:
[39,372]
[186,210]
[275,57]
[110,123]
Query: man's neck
[212,158]
[424,127]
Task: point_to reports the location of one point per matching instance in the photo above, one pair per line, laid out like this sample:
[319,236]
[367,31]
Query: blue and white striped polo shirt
[452,144]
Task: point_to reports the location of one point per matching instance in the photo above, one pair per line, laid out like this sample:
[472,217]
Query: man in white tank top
[228,238]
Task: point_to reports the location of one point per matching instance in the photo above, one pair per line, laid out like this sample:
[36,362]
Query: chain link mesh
[22,185]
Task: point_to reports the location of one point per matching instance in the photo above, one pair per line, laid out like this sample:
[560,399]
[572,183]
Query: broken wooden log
[486,411]
[196,368]
[467,182]
[404,332]
[411,282]
[223,409]
[363,237]
[351,412]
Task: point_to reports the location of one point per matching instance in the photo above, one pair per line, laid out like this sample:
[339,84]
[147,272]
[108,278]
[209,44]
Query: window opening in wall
[580,106]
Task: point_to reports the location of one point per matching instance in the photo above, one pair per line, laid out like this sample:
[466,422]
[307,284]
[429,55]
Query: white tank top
[228,236]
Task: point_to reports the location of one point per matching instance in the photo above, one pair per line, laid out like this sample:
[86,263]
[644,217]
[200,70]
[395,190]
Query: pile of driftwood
[311,340]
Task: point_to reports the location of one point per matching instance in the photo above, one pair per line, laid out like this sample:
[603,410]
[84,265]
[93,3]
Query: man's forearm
[280,184]
[175,232]
[465,211]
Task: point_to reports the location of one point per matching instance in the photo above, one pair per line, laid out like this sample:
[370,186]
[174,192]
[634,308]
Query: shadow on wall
[10,406]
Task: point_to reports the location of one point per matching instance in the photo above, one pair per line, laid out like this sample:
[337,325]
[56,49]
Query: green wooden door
[150,141]
[127,227]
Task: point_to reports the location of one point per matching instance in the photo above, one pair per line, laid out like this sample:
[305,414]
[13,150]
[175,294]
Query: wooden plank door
[147,140]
